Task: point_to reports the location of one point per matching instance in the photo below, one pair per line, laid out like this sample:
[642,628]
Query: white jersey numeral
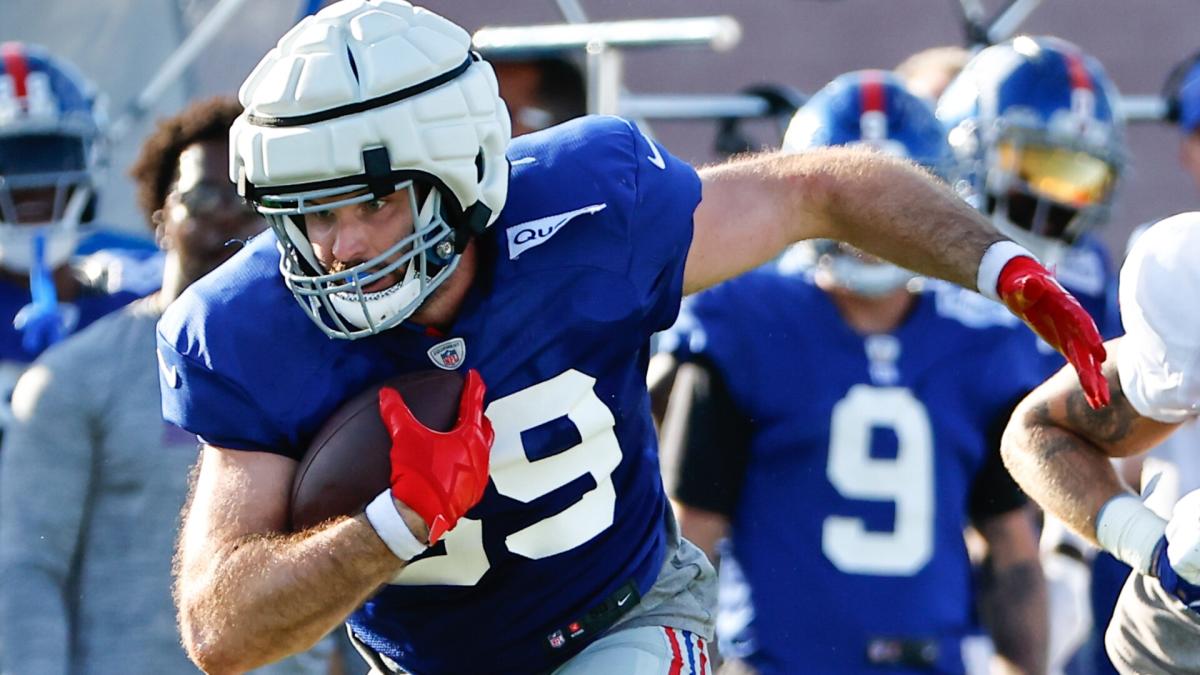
[572,395]
[906,480]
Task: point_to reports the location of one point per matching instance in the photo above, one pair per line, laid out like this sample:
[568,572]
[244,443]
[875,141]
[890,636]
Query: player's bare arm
[1058,448]
[754,206]
[1013,597]
[249,594]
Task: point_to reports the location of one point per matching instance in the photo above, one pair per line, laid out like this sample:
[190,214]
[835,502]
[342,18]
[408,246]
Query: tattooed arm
[1058,448]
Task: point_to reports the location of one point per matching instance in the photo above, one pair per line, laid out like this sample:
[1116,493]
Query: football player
[1035,125]
[536,535]
[1035,122]
[79,576]
[52,151]
[1058,450]
[861,485]
[541,89]
[1182,92]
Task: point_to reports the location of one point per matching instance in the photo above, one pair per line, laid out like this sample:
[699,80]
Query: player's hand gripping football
[440,475]
[1176,560]
[1032,293]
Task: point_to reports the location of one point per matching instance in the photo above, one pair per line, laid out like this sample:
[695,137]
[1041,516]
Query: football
[347,464]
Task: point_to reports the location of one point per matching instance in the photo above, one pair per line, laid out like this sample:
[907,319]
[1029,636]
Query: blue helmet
[872,108]
[51,152]
[869,108]
[1034,122]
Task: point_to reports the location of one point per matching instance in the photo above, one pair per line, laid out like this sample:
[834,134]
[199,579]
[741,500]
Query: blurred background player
[844,431]
[1035,126]
[1035,123]
[541,88]
[52,150]
[91,478]
[1182,93]
[1059,452]
[928,72]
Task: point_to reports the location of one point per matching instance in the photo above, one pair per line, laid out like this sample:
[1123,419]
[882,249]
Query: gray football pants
[1151,632]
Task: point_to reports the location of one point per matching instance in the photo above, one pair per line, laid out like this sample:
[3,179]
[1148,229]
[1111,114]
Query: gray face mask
[336,301]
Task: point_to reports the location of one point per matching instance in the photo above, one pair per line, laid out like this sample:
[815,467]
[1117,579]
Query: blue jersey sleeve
[711,330]
[667,191]
[596,193]
[194,397]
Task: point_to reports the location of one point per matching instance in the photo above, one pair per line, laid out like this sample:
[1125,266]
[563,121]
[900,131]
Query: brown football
[347,463]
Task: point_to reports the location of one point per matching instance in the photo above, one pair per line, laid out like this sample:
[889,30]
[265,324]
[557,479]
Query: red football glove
[1039,300]
[439,475]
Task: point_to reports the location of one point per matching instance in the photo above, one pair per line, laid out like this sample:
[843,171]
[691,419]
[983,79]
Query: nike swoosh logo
[170,374]
[524,236]
[523,161]
[656,159]
[624,600]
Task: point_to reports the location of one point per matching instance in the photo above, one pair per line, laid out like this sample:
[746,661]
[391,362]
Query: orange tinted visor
[1066,176]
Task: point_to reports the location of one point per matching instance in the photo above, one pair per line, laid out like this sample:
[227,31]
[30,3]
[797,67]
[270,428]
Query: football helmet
[52,151]
[869,108]
[1035,124]
[364,99]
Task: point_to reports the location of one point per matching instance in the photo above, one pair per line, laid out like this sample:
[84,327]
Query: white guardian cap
[361,100]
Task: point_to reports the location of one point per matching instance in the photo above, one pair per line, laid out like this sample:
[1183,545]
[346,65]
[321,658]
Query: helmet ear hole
[353,63]
[89,211]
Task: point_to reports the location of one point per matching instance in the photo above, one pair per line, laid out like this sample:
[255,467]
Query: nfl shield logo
[448,355]
[556,639]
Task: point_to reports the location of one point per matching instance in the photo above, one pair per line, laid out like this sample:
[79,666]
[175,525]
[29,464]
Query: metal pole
[180,59]
[572,11]
[693,107]
[720,33]
[1006,25]
[1144,108]
[604,65]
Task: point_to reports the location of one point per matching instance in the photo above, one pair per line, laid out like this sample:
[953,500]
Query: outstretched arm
[755,206]
[752,207]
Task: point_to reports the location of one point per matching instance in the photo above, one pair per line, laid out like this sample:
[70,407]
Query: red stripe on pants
[676,655]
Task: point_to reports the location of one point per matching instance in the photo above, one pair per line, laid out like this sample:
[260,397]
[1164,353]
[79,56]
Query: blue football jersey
[584,263]
[847,538]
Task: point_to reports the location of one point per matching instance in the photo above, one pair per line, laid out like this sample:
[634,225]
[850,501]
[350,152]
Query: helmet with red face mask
[366,99]
[52,151]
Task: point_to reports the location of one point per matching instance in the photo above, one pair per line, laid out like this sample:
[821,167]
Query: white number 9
[906,480]
[572,395]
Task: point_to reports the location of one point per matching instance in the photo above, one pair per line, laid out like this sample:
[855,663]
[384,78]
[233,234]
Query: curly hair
[155,168]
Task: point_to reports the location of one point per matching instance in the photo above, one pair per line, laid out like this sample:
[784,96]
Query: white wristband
[1129,530]
[391,528]
[994,259]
